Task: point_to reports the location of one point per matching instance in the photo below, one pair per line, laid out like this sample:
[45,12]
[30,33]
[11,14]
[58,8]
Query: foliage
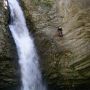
[43,2]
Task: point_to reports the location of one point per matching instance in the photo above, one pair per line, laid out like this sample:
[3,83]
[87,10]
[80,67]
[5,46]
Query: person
[60,32]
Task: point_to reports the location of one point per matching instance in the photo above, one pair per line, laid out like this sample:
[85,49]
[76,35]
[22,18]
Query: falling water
[28,59]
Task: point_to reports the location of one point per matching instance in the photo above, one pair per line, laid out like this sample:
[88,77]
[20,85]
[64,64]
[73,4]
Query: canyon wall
[8,72]
[64,60]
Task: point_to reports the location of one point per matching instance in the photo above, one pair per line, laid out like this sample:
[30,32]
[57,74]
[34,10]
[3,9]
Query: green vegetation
[47,3]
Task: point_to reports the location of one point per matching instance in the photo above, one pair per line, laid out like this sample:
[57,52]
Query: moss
[47,3]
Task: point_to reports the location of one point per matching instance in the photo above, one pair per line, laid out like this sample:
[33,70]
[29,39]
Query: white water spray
[28,59]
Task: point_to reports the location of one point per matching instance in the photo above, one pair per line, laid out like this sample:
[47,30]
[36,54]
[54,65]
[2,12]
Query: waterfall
[28,58]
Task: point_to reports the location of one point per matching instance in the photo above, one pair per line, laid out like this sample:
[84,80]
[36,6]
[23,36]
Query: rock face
[7,52]
[64,60]
[76,29]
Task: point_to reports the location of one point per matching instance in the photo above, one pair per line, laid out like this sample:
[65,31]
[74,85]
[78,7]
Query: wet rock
[8,72]
[65,61]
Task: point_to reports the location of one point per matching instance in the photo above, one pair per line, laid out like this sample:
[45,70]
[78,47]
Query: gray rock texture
[8,72]
[65,60]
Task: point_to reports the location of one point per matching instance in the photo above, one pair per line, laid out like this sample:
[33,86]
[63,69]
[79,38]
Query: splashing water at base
[28,59]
